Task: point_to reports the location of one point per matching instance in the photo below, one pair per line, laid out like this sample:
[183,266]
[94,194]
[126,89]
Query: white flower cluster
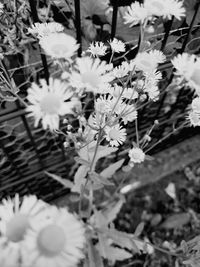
[115,101]
[147,62]
[54,41]
[188,68]
[141,13]
[35,234]
[98,49]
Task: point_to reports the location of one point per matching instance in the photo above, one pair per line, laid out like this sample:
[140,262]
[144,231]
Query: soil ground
[168,220]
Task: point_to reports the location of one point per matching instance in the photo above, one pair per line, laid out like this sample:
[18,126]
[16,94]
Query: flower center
[50,104]
[60,49]
[196,76]
[113,134]
[51,240]
[91,78]
[16,227]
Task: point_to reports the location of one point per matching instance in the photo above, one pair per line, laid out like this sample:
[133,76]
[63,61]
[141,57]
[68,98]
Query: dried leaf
[117,254]
[176,221]
[123,239]
[193,45]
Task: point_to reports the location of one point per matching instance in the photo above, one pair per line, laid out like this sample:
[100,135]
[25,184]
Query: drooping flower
[116,135]
[15,219]
[97,49]
[47,102]
[136,13]
[59,45]
[44,29]
[136,155]
[117,46]
[188,67]
[91,74]
[58,242]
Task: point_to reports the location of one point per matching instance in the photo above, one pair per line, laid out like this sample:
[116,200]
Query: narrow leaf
[66,183]
[111,212]
[110,171]
[79,178]
[139,229]
[96,178]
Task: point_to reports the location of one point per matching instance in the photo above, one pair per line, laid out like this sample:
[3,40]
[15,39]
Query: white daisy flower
[116,105]
[194,118]
[16,218]
[165,9]
[91,74]
[150,84]
[136,13]
[196,105]
[102,104]
[153,92]
[44,29]
[188,67]
[148,61]
[97,121]
[121,70]
[152,78]
[97,49]
[59,45]
[117,46]
[128,93]
[57,243]
[116,135]
[47,102]
[129,114]
[136,155]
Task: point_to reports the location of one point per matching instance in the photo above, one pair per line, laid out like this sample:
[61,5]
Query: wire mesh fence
[26,152]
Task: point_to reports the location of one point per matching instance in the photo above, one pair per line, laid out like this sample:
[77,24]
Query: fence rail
[26,152]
